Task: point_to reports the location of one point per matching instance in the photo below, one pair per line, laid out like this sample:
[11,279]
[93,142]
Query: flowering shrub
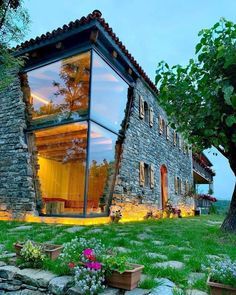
[222,271]
[89,280]
[80,250]
[32,254]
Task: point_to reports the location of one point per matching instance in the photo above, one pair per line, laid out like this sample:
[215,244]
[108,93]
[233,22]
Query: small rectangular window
[146,175]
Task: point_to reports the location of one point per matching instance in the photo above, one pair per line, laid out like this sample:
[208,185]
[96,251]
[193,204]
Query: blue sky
[152,30]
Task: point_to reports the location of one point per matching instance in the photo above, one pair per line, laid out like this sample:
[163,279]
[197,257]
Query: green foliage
[14,21]
[116,263]
[200,98]
[32,254]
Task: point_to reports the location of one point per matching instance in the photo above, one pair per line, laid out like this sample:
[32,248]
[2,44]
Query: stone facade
[16,187]
[145,143]
[142,143]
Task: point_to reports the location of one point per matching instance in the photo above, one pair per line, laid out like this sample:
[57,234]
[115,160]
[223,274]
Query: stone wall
[145,143]
[16,188]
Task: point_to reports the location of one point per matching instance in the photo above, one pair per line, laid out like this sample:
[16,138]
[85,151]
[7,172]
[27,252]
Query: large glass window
[62,162]
[108,95]
[60,90]
[59,99]
[101,168]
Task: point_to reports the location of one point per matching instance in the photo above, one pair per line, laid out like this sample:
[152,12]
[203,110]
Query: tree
[13,25]
[200,98]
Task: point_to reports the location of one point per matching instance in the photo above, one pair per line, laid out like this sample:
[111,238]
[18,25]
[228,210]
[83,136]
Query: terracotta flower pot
[52,251]
[127,280]
[220,289]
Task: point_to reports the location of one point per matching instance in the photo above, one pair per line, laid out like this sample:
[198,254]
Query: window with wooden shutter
[160,124]
[141,107]
[175,138]
[186,187]
[180,142]
[176,185]
[167,132]
[179,186]
[151,117]
[151,176]
[141,174]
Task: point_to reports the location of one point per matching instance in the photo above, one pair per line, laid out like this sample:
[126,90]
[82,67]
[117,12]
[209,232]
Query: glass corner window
[109,95]
[102,155]
[60,91]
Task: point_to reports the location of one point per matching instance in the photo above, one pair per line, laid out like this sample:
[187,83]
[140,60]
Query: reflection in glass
[108,95]
[62,162]
[101,168]
[60,88]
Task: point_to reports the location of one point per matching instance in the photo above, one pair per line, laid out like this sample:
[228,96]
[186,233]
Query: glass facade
[62,163]
[77,111]
[60,91]
[108,95]
[101,168]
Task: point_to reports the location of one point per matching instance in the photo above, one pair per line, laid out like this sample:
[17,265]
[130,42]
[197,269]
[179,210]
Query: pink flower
[89,254]
[94,265]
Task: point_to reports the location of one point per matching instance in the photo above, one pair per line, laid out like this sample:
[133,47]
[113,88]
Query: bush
[32,254]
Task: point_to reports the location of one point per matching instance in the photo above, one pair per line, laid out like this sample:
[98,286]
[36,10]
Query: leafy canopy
[14,21]
[200,98]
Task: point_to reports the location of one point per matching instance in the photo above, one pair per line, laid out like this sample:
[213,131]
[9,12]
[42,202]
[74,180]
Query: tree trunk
[229,223]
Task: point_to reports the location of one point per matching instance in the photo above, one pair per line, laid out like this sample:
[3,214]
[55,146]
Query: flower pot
[220,289]
[128,280]
[50,250]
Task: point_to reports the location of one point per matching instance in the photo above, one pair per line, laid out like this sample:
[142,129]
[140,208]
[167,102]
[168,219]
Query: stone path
[74,229]
[156,255]
[172,264]
[158,243]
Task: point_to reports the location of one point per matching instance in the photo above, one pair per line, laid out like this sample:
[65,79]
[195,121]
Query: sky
[152,30]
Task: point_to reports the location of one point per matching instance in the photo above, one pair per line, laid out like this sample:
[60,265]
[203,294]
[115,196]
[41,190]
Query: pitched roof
[95,15]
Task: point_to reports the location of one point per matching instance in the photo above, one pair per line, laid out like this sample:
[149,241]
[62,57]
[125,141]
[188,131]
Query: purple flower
[94,265]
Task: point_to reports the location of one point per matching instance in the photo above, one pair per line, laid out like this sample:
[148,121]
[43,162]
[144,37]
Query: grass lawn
[187,240]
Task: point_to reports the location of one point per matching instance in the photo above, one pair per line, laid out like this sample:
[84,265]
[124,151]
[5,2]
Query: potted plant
[32,255]
[115,216]
[121,274]
[222,277]
[50,250]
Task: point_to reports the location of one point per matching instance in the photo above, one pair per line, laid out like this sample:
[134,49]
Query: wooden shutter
[186,187]
[176,185]
[141,174]
[180,142]
[174,138]
[160,124]
[151,117]
[167,132]
[180,187]
[141,107]
[151,176]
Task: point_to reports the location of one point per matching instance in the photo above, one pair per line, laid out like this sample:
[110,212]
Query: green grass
[195,237]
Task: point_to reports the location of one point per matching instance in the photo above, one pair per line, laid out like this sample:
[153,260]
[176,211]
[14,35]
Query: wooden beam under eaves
[94,36]
[114,54]
[130,71]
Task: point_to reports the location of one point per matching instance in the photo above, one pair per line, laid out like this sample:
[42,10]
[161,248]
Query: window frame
[31,129]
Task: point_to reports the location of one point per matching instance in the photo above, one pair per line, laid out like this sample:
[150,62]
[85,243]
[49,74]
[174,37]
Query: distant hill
[222,206]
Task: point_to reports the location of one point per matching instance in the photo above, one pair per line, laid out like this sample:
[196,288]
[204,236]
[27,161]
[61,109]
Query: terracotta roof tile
[95,15]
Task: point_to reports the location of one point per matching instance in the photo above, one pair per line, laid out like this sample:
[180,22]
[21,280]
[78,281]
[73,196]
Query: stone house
[81,130]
